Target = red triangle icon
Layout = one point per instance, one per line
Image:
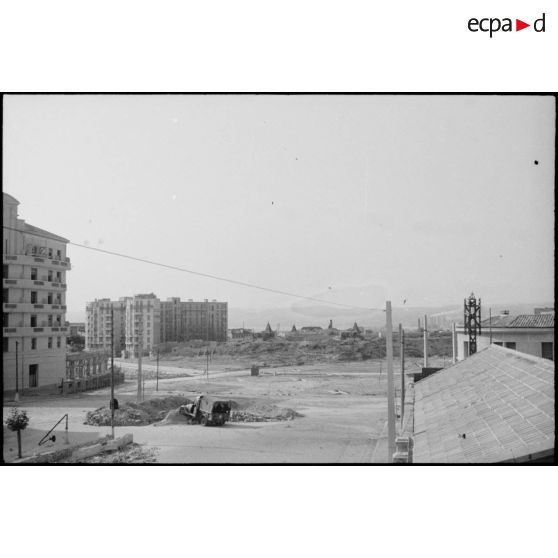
(519, 25)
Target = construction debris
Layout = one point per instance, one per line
(136, 414)
(263, 413)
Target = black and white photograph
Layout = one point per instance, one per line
(278, 279)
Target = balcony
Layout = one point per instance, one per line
(28, 307)
(33, 331)
(29, 284)
(31, 259)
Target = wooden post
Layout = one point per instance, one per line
(140, 351)
(19, 444)
(425, 342)
(490, 323)
(157, 385)
(402, 358)
(390, 386)
(453, 343)
(16, 397)
(112, 370)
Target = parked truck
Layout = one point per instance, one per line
(207, 411)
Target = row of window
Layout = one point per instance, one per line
(51, 276)
(7, 345)
(52, 298)
(52, 321)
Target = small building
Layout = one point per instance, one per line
(76, 328)
(496, 406)
(311, 329)
(528, 333)
(241, 333)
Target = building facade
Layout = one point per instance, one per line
(532, 334)
(143, 324)
(34, 302)
(99, 325)
(147, 321)
(186, 320)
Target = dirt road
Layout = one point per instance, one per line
(343, 408)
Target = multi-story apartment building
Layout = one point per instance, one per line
(34, 302)
(99, 325)
(143, 323)
(153, 321)
(185, 320)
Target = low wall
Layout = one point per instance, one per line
(79, 451)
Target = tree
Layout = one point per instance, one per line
(16, 422)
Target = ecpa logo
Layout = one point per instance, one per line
(493, 25)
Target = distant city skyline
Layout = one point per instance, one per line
(351, 199)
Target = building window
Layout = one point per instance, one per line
(33, 321)
(33, 375)
(5, 319)
(58, 276)
(5, 269)
(499, 343)
(58, 254)
(50, 342)
(6, 344)
(33, 297)
(49, 298)
(33, 343)
(547, 350)
(58, 342)
(49, 322)
(510, 345)
(5, 295)
(50, 253)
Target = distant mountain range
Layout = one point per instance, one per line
(308, 314)
(319, 315)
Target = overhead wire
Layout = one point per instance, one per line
(206, 275)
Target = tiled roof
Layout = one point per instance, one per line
(496, 405)
(534, 320)
(523, 320)
(498, 321)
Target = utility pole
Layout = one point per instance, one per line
(402, 358)
(390, 386)
(207, 340)
(490, 324)
(157, 385)
(425, 342)
(16, 397)
(112, 370)
(140, 351)
(453, 343)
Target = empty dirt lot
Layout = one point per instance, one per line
(343, 408)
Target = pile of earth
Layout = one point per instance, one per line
(262, 412)
(136, 414)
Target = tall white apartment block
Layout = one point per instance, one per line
(34, 302)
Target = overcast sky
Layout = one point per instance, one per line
(355, 199)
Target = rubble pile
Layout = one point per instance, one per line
(133, 453)
(263, 413)
(136, 414)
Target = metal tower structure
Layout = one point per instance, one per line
(472, 321)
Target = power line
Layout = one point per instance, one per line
(201, 274)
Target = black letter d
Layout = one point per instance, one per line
(541, 30)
